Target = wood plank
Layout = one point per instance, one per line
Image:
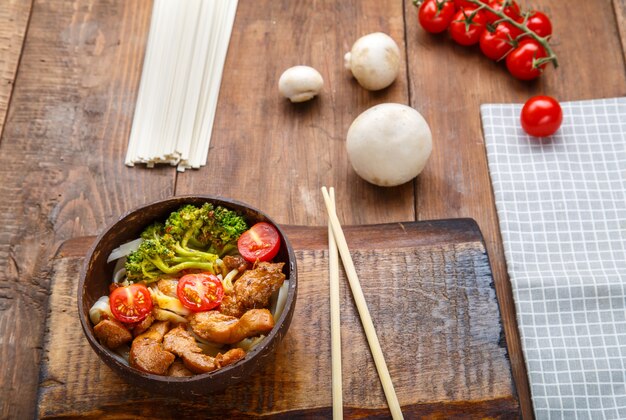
(276, 155)
(448, 83)
(14, 16)
(430, 292)
(61, 163)
(620, 17)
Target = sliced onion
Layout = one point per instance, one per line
(278, 300)
(221, 266)
(119, 276)
(169, 303)
(100, 308)
(210, 349)
(249, 343)
(124, 250)
(163, 315)
(228, 281)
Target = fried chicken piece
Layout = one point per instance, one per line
(168, 287)
(178, 369)
(254, 289)
(200, 362)
(180, 342)
(224, 329)
(147, 353)
(230, 357)
(233, 262)
(156, 331)
(230, 306)
(112, 333)
(143, 325)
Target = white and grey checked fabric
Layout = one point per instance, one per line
(561, 204)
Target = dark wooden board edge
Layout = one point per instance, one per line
(500, 408)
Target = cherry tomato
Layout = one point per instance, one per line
(435, 15)
(464, 4)
(541, 116)
(539, 24)
(520, 61)
(131, 303)
(512, 11)
(260, 243)
(466, 27)
(200, 292)
(498, 43)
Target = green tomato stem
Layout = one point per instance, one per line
(543, 41)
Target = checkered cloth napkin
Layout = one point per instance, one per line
(561, 204)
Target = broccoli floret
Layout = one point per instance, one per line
(191, 238)
(155, 257)
(211, 228)
(228, 225)
(221, 229)
(154, 231)
(140, 268)
(184, 223)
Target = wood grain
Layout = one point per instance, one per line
(14, 17)
(430, 292)
(61, 163)
(449, 82)
(620, 17)
(276, 155)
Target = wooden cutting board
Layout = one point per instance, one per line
(429, 289)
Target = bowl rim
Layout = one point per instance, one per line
(251, 355)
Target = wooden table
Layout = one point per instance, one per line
(69, 74)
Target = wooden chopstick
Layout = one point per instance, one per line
(335, 319)
(359, 299)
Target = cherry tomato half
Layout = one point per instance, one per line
(512, 11)
(200, 292)
(466, 27)
(541, 116)
(260, 243)
(539, 24)
(498, 43)
(131, 303)
(520, 61)
(435, 15)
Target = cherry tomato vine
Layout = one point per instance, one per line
(504, 32)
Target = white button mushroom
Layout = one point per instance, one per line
(389, 144)
(300, 83)
(374, 61)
